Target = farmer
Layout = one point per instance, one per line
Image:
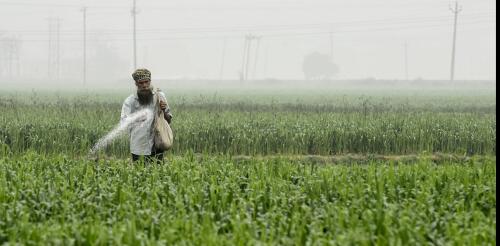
(141, 133)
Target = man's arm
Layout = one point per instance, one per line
(126, 110)
(165, 107)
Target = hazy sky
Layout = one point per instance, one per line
(187, 38)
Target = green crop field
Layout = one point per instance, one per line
(316, 167)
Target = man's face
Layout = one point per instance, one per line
(143, 84)
(144, 92)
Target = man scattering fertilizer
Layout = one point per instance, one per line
(141, 131)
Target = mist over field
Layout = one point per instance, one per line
(57, 44)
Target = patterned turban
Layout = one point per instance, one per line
(141, 74)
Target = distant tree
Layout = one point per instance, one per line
(319, 66)
(105, 63)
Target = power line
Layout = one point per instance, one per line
(268, 5)
(375, 22)
(363, 23)
(59, 5)
(273, 35)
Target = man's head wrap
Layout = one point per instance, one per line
(141, 74)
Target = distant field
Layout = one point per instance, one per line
(257, 123)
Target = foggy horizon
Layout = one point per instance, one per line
(387, 39)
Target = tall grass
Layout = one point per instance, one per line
(215, 201)
(223, 125)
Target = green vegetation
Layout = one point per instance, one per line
(263, 125)
(216, 201)
(277, 168)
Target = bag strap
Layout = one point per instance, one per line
(157, 97)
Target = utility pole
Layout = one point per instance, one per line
(455, 10)
(134, 14)
(249, 46)
(84, 46)
(246, 55)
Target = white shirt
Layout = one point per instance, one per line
(141, 133)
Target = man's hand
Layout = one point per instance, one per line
(163, 105)
(167, 115)
(168, 118)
